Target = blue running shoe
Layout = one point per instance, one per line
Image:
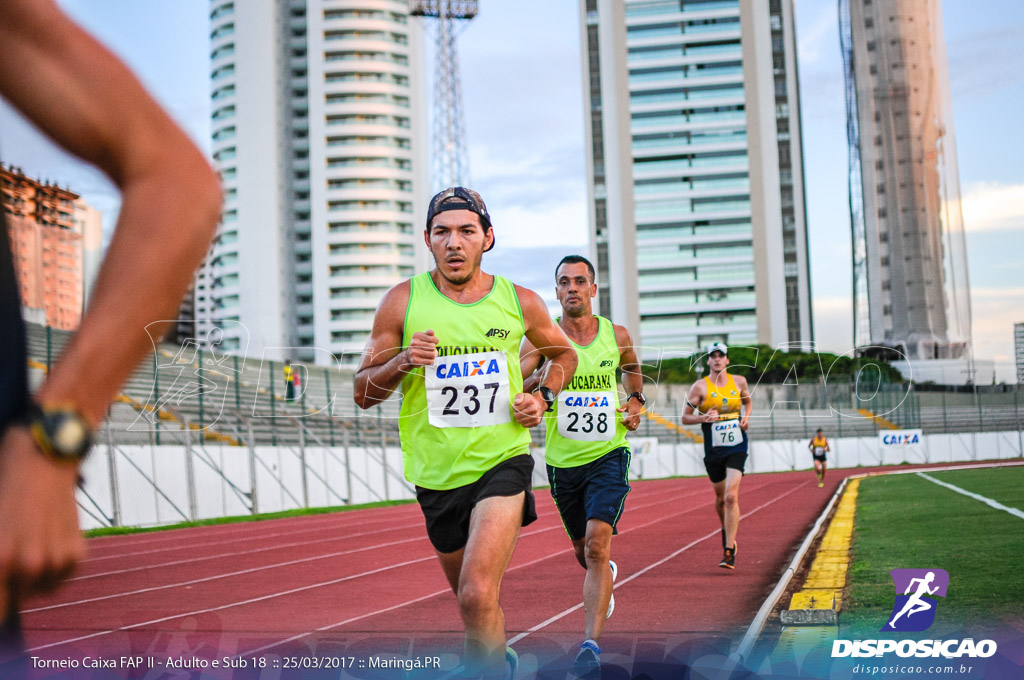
(512, 659)
(588, 662)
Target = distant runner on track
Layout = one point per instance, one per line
(717, 403)
(819, 447)
(586, 449)
(451, 337)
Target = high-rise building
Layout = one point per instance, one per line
(319, 134)
(695, 170)
(49, 227)
(910, 286)
(89, 223)
(1018, 350)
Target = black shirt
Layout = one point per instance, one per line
(13, 369)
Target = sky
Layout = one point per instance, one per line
(522, 89)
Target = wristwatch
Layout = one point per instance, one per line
(60, 432)
(639, 397)
(547, 395)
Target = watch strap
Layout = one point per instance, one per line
(548, 395)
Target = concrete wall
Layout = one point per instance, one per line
(153, 481)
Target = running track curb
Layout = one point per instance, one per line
(757, 625)
(769, 604)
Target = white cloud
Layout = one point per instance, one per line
(522, 226)
(990, 206)
(993, 313)
(833, 323)
(819, 38)
(994, 310)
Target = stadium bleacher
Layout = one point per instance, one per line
(232, 400)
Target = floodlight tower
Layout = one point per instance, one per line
(450, 163)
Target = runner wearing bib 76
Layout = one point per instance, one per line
(586, 450)
(721, 405)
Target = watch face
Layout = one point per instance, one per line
(68, 435)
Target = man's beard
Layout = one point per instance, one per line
(460, 277)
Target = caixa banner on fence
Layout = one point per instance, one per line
(894, 439)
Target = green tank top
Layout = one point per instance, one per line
(584, 425)
(456, 419)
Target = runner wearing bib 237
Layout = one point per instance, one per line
(586, 451)
(717, 403)
(451, 337)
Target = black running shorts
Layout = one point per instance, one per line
(716, 465)
(447, 512)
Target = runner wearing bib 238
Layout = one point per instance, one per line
(717, 403)
(586, 451)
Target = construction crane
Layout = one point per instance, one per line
(450, 157)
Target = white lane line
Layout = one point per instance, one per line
(242, 572)
(289, 545)
(229, 605)
(248, 537)
(230, 530)
(193, 560)
(522, 566)
(328, 627)
(987, 501)
(217, 577)
(648, 568)
(192, 543)
(335, 581)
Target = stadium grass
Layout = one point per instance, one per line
(301, 512)
(904, 521)
(1003, 485)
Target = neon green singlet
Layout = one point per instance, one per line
(456, 420)
(584, 425)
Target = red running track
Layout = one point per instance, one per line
(368, 580)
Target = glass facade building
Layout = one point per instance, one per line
(911, 288)
(696, 179)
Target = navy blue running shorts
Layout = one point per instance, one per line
(596, 490)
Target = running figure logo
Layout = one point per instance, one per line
(914, 610)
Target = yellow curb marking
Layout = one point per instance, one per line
(823, 588)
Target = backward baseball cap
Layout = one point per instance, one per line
(718, 347)
(459, 198)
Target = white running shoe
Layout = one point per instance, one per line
(611, 600)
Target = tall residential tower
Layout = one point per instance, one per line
(319, 134)
(695, 167)
(910, 284)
